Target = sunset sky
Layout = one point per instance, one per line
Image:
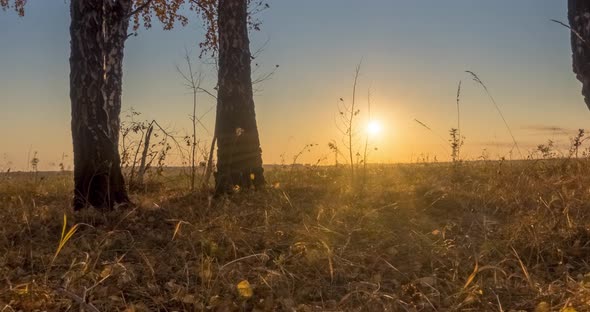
(413, 54)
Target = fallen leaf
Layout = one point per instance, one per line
(245, 290)
(542, 307)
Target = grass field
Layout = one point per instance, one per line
(480, 236)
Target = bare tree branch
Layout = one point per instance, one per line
(573, 31)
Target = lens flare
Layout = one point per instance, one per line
(374, 127)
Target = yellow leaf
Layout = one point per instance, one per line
(22, 289)
(543, 307)
(106, 271)
(245, 290)
(568, 309)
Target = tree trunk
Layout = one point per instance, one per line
(115, 34)
(579, 19)
(96, 105)
(239, 160)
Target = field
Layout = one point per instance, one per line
(476, 236)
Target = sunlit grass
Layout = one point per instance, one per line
(65, 236)
(419, 237)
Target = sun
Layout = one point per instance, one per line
(374, 127)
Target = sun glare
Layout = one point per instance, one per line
(374, 127)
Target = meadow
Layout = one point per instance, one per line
(470, 236)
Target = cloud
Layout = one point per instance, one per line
(548, 129)
(505, 144)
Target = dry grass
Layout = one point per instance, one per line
(493, 236)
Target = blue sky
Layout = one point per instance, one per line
(413, 55)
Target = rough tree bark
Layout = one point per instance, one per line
(579, 19)
(116, 24)
(239, 157)
(95, 93)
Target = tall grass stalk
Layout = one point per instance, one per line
(346, 124)
(353, 112)
(480, 82)
(193, 83)
(459, 117)
(367, 136)
(65, 237)
(444, 143)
